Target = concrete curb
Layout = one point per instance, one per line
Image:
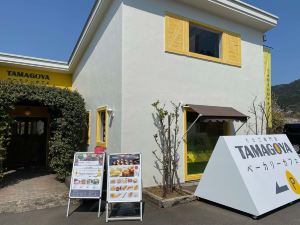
(167, 203)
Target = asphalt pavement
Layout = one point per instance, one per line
(194, 213)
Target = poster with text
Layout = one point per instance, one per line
(87, 175)
(124, 178)
(252, 173)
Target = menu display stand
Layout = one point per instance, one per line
(124, 182)
(87, 177)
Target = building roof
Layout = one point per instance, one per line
(234, 10)
(237, 11)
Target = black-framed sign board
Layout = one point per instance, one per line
(87, 177)
(124, 180)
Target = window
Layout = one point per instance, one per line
(200, 141)
(101, 127)
(194, 39)
(204, 41)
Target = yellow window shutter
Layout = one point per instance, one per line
(232, 48)
(176, 29)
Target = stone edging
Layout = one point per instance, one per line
(167, 203)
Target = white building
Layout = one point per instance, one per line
(197, 52)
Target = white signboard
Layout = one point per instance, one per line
(253, 174)
(124, 183)
(87, 175)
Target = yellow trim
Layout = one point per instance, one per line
(181, 46)
(99, 142)
(185, 143)
(194, 177)
(268, 85)
(35, 76)
(89, 128)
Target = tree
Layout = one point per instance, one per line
(278, 117)
(266, 120)
(166, 138)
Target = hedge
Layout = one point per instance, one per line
(66, 124)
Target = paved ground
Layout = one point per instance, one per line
(194, 213)
(25, 190)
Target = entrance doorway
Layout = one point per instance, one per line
(200, 142)
(28, 147)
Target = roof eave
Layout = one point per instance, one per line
(31, 62)
(237, 11)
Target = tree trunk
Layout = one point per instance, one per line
(169, 155)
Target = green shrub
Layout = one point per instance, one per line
(66, 124)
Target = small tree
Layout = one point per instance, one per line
(166, 138)
(273, 118)
(278, 117)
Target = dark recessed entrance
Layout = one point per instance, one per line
(28, 147)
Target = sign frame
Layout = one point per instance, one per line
(101, 182)
(110, 202)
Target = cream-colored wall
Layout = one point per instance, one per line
(98, 76)
(126, 67)
(149, 73)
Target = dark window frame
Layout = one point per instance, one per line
(207, 30)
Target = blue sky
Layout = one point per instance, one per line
(50, 28)
(284, 38)
(42, 28)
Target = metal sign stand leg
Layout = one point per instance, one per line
(99, 208)
(106, 208)
(141, 210)
(68, 207)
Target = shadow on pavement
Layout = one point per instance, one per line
(16, 176)
(118, 209)
(247, 214)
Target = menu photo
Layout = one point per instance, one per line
(124, 177)
(87, 174)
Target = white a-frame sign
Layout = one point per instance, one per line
(253, 174)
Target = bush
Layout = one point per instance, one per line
(66, 124)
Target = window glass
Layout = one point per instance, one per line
(40, 127)
(101, 133)
(30, 127)
(21, 128)
(33, 127)
(102, 126)
(201, 141)
(204, 41)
